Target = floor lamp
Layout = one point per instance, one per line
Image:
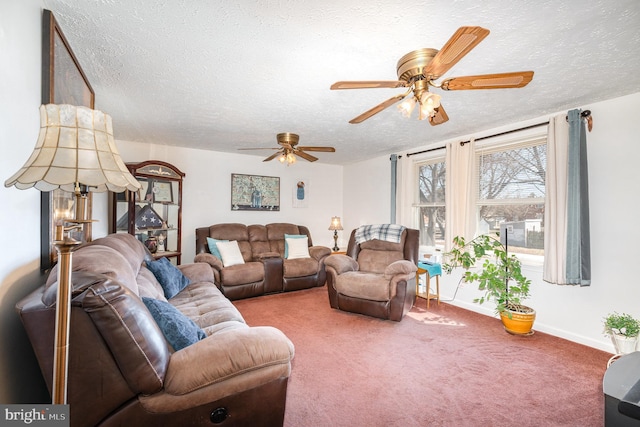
(75, 151)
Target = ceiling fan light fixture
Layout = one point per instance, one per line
(428, 104)
(407, 106)
(291, 159)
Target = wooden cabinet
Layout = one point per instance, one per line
(154, 213)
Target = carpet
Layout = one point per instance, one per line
(445, 366)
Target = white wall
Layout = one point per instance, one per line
(207, 189)
(20, 41)
(571, 312)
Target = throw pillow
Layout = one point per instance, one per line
(298, 248)
(213, 248)
(291, 236)
(230, 252)
(169, 276)
(178, 329)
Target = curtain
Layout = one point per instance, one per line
(566, 239)
(406, 188)
(461, 192)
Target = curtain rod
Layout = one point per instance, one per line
(584, 114)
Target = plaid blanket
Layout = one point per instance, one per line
(386, 232)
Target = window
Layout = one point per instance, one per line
(430, 206)
(511, 190)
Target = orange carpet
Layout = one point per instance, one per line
(443, 367)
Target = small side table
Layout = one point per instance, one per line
(433, 269)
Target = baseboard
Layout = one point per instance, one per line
(539, 326)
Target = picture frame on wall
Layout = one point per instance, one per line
(63, 82)
(255, 193)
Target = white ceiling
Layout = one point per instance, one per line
(222, 75)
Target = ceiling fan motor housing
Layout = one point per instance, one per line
(413, 64)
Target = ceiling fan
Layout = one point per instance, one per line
(421, 68)
(289, 149)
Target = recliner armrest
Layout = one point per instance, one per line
(400, 267)
(341, 263)
(319, 252)
(209, 259)
(197, 272)
(216, 366)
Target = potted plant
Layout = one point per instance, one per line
(500, 277)
(623, 330)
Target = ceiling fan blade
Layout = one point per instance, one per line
(368, 84)
(440, 117)
(325, 149)
(305, 156)
(461, 43)
(271, 157)
(375, 110)
(489, 81)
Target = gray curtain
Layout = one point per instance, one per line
(578, 261)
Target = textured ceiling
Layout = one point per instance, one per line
(221, 75)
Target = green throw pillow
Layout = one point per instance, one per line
(213, 248)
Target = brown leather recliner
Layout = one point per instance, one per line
(376, 277)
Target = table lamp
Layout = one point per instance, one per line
(75, 152)
(335, 226)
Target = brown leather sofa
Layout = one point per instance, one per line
(265, 269)
(375, 277)
(123, 372)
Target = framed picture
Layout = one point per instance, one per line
(162, 192)
(63, 82)
(255, 193)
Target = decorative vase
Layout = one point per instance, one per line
(624, 344)
(152, 244)
(518, 323)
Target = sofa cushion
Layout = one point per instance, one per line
(241, 274)
(299, 267)
(363, 285)
(297, 247)
(135, 340)
(178, 329)
(170, 277)
(230, 252)
(206, 305)
(102, 260)
(213, 247)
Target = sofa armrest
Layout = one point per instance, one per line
(209, 259)
(399, 267)
(341, 263)
(216, 366)
(198, 272)
(319, 252)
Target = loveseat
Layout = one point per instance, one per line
(126, 367)
(265, 266)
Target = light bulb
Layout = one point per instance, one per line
(407, 106)
(282, 158)
(428, 104)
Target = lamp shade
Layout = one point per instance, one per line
(335, 223)
(75, 147)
